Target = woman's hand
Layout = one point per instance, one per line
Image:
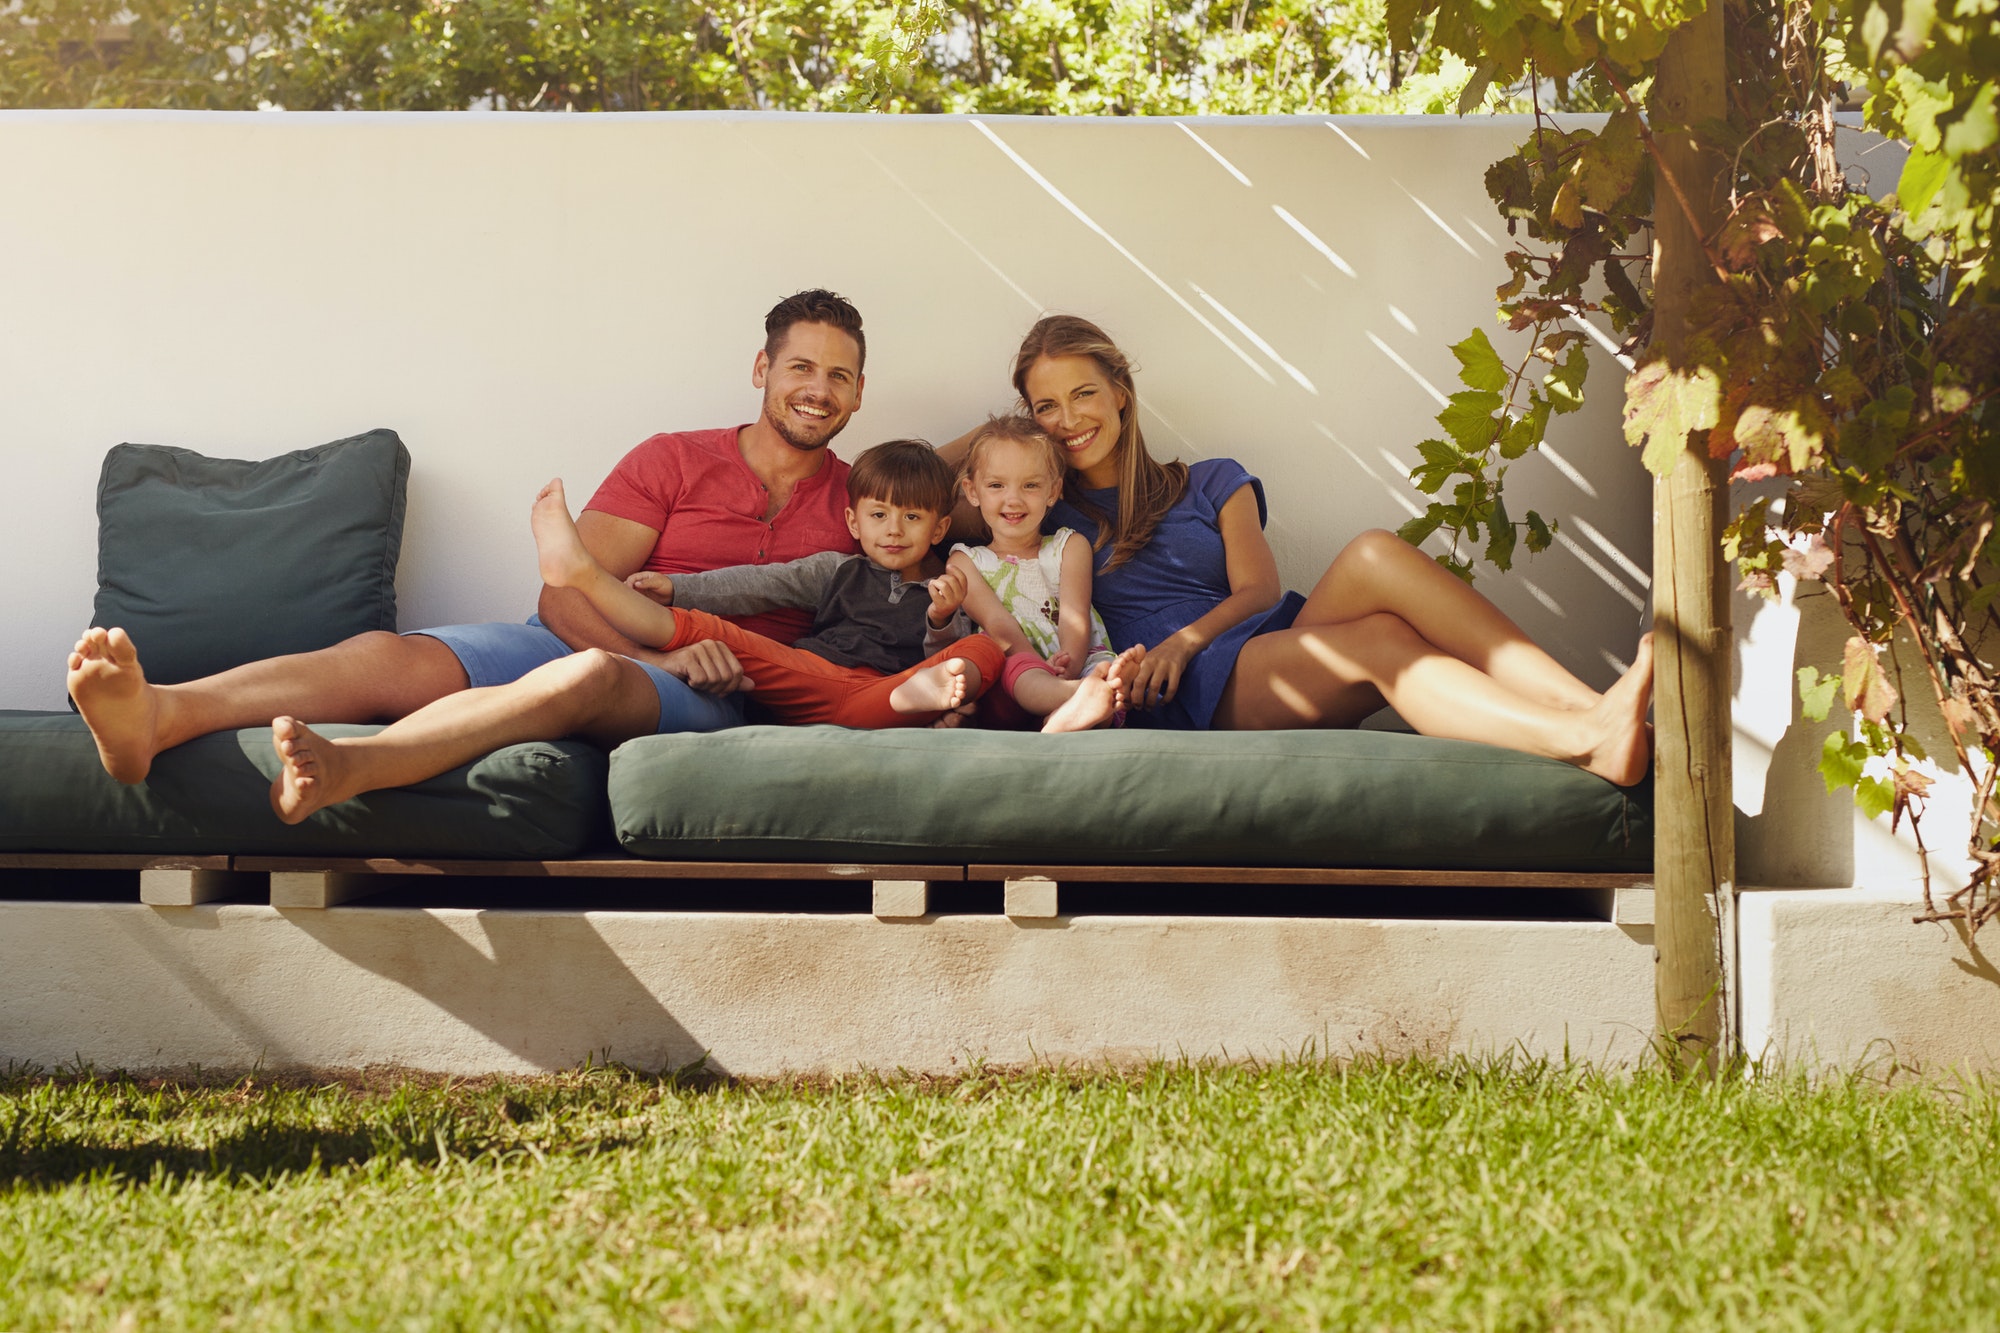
(654, 584)
(1158, 678)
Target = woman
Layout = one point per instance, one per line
(1182, 566)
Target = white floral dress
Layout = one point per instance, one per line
(1028, 589)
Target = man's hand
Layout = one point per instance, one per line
(654, 584)
(708, 666)
(947, 595)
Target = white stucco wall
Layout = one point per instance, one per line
(527, 295)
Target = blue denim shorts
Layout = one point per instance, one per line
(499, 654)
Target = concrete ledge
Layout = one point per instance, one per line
(1843, 977)
(454, 990)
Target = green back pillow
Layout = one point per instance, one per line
(209, 563)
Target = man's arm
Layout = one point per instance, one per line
(622, 546)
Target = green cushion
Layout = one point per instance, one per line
(212, 562)
(212, 796)
(1326, 798)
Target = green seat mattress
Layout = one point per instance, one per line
(211, 796)
(1131, 797)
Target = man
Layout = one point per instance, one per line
(763, 493)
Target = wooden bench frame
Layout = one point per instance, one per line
(1032, 891)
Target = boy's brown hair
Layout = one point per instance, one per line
(1021, 430)
(905, 473)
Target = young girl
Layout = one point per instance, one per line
(1030, 591)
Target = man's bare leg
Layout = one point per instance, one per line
(593, 694)
(369, 678)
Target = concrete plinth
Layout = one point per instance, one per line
(133, 986)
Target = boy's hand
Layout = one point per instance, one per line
(947, 595)
(654, 584)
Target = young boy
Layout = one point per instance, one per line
(864, 664)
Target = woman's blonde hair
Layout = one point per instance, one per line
(1147, 489)
(1021, 430)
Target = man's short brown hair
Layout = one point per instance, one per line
(904, 473)
(815, 305)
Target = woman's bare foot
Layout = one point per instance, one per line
(121, 709)
(938, 688)
(313, 771)
(558, 550)
(1620, 748)
(1099, 697)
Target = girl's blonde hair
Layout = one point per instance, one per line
(1019, 429)
(1147, 489)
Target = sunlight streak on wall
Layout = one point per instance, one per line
(1409, 325)
(1350, 139)
(1549, 604)
(1408, 369)
(1085, 218)
(955, 234)
(1256, 341)
(1595, 566)
(1562, 465)
(1314, 241)
(1443, 226)
(1227, 165)
(1604, 544)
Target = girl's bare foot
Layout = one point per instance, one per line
(1620, 741)
(118, 705)
(558, 550)
(1099, 697)
(938, 688)
(312, 773)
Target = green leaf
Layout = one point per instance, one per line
(1468, 418)
(1475, 89)
(1564, 383)
(1540, 533)
(1663, 406)
(1974, 129)
(1874, 796)
(1816, 693)
(1479, 365)
(1422, 526)
(1500, 537)
(1840, 761)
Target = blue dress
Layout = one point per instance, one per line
(1176, 578)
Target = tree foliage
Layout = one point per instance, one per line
(1846, 344)
(1112, 57)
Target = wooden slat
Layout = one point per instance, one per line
(1524, 879)
(601, 868)
(108, 861)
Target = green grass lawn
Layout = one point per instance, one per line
(1408, 1195)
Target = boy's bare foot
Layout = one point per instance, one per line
(121, 709)
(558, 550)
(938, 688)
(312, 773)
(1099, 697)
(1620, 748)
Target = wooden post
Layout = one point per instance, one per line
(1695, 838)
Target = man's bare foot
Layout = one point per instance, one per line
(312, 772)
(559, 551)
(1099, 697)
(938, 688)
(1620, 748)
(118, 705)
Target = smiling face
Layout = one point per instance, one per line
(1013, 486)
(812, 386)
(896, 537)
(1073, 399)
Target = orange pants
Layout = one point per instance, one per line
(800, 687)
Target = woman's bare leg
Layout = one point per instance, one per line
(593, 694)
(1335, 675)
(1379, 571)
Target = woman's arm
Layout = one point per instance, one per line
(1253, 587)
(1073, 604)
(987, 610)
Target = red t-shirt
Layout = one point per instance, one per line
(695, 490)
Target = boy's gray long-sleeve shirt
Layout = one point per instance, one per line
(863, 615)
